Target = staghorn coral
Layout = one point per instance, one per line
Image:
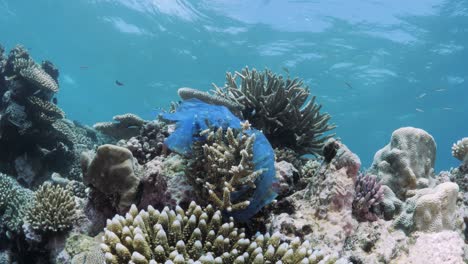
(279, 108)
(194, 116)
(460, 150)
(53, 210)
(369, 193)
(222, 164)
(178, 236)
(14, 203)
(125, 127)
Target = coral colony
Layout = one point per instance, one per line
(247, 173)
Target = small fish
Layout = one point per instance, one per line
(349, 85)
(37, 92)
(118, 83)
(419, 110)
(447, 108)
(54, 100)
(84, 67)
(421, 96)
(440, 90)
(286, 70)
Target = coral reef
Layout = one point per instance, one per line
(125, 127)
(430, 209)
(279, 108)
(231, 153)
(407, 162)
(460, 149)
(197, 234)
(112, 172)
(149, 143)
(369, 193)
(14, 204)
(53, 210)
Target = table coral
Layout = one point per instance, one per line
(460, 150)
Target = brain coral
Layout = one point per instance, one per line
(194, 236)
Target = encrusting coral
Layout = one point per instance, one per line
(279, 108)
(53, 210)
(14, 203)
(198, 235)
(369, 193)
(430, 209)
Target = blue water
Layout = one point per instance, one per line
(396, 56)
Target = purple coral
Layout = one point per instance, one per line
(369, 193)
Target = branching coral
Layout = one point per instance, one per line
(369, 193)
(193, 117)
(177, 236)
(125, 127)
(14, 203)
(44, 110)
(53, 210)
(279, 108)
(460, 150)
(222, 164)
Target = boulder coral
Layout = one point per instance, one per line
(430, 209)
(112, 172)
(407, 162)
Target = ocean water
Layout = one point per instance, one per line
(375, 65)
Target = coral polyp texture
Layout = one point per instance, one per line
(369, 193)
(279, 108)
(53, 210)
(198, 235)
(222, 164)
(14, 204)
(460, 150)
(246, 157)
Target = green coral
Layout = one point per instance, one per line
(279, 108)
(53, 210)
(178, 236)
(14, 203)
(223, 164)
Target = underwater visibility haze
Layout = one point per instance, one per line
(249, 131)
